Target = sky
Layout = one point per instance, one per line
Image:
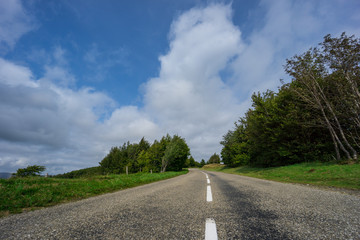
(78, 77)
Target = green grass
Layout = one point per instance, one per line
(24, 194)
(320, 174)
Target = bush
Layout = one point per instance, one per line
(34, 170)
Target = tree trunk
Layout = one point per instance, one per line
(334, 136)
(328, 105)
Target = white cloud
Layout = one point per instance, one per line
(128, 124)
(14, 75)
(59, 56)
(52, 119)
(14, 22)
(58, 74)
(189, 97)
(48, 123)
(290, 27)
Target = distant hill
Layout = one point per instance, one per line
(5, 175)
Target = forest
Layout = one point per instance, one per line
(170, 153)
(313, 117)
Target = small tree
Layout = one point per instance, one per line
(215, 158)
(34, 170)
(192, 162)
(176, 153)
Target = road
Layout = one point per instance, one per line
(183, 208)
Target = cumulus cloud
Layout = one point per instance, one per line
(289, 28)
(45, 115)
(189, 96)
(14, 22)
(128, 122)
(46, 122)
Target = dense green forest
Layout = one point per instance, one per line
(170, 153)
(314, 117)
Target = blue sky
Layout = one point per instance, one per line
(78, 77)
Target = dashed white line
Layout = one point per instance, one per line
(208, 194)
(210, 226)
(210, 229)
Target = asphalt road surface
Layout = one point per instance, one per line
(198, 205)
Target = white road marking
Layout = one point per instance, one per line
(206, 175)
(210, 229)
(208, 194)
(210, 226)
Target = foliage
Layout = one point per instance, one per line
(215, 158)
(33, 192)
(175, 154)
(235, 151)
(327, 80)
(143, 157)
(33, 170)
(313, 117)
(190, 162)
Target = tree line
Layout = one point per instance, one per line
(170, 153)
(314, 117)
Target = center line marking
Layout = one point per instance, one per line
(210, 229)
(208, 181)
(208, 194)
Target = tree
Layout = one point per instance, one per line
(175, 155)
(143, 161)
(116, 160)
(215, 158)
(34, 170)
(310, 118)
(155, 153)
(190, 162)
(142, 156)
(125, 156)
(328, 79)
(235, 150)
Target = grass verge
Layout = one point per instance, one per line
(319, 174)
(24, 194)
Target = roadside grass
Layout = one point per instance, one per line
(25, 194)
(319, 174)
